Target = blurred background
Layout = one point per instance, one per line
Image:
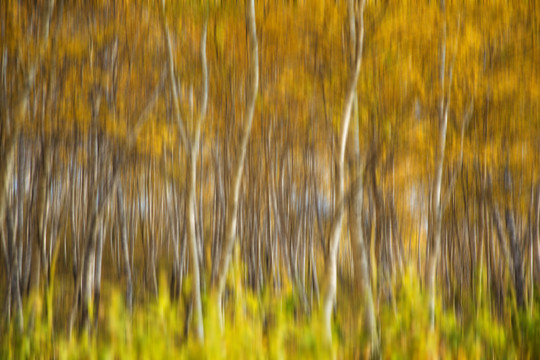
(197, 149)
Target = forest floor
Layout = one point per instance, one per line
(271, 325)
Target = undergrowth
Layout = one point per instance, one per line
(259, 326)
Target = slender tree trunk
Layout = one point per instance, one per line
(97, 275)
(434, 233)
(517, 261)
(14, 275)
(329, 291)
(85, 280)
(125, 249)
(42, 209)
(192, 149)
(357, 239)
(238, 164)
(19, 109)
(20, 214)
(535, 236)
(360, 254)
(192, 242)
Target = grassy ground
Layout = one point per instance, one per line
(271, 326)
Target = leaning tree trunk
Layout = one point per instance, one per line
(329, 291)
(192, 149)
(238, 164)
(360, 254)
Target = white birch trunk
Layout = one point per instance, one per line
(238, 164)
(192, 149)
(361, 267)
(329, 291)
(436, 210)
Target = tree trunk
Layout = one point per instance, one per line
(14, 276)
(329, 291)
(238, 164)
(19, 109)
(434, 233)
(192, 242)
(517, 261)
(125, 249)
(85, 281)
(535, 236)
(192, 149)
(97, 275)
(357, 238)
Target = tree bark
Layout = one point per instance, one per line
(125, 248)
(358, 244)
(192, 149)
(329, 291)
(19, 109)
(89, 262)
(434, 233)
(238, 164)
(517, 261)
(535, 236)
(14, 276)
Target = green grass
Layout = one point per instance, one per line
(259, 326)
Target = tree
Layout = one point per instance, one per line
(335, 236)
(8, 163)
(238, 163)
(191, 145)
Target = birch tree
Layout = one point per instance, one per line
(434, 231)
(329, 294)
(191, 145)
(7, 165)
(238, 162)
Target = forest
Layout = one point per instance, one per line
(273, 179)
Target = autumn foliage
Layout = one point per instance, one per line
(175, 177)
